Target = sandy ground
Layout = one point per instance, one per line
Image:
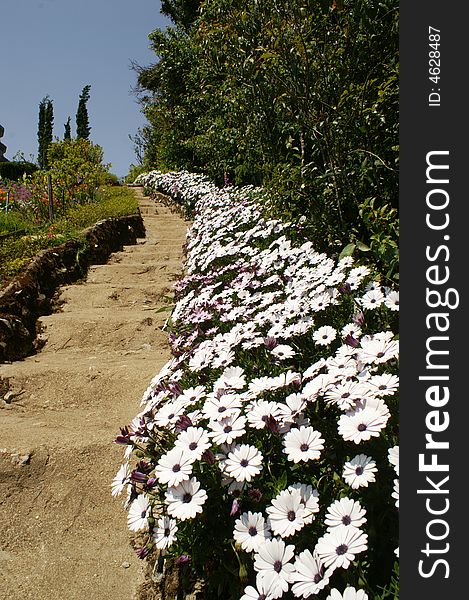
(62, 535)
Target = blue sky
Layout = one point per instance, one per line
(55, 48)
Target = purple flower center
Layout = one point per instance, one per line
(187, 498)
(244, 463)
(192, 445)
(277, 566)
(342, 549)
(359, 470)
(346, 520)
(317, 578)
(252, 531)
(291, 515)
(228, 428)
(221, 409)
(176, 468)
(167, 532)
(171, 416)
(361, 427)
(144, 514)
(304, 447)
(261, 597)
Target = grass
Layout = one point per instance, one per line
(18, 250)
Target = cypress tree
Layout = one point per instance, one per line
(44, 131)
(83, 128)
(68, 130)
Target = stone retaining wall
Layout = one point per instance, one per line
(30, 294)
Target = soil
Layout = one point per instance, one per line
(63, 536)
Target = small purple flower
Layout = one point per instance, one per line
(270, 343)
(272, 424)
(351, 341)
(142, 552)
(345, 288)
(184, 559)
(183, 423)
(138, 477)
(208, 456)
(235, 507)
(124, 437)
(255, 494)
(359, 318)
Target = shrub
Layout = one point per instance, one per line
(15, 170)
(266, 450)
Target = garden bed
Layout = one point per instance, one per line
(29, 295)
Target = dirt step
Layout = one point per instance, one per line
(64, 537)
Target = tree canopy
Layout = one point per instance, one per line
(300, 97)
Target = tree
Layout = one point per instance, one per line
(44, 132)
(68, 130)
(83, 127)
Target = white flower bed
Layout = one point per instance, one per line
(265, 453)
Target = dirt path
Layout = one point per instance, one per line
(62, 535)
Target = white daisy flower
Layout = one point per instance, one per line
(168, 414)
(393, 456)
(193, 441)
(310, 500)
(232, 378)
(286, 513)
(344, 395)
(360, 471)
(174, 466)
(395, 493)
(244, 462)
(227, 429)
(293, 407)
(259, 411)
(139, 510)
(185, 500)
(120, 480)
(314, 368)
(251, 531)
(309, 576)
(345, 512)
(364, 422)
(392, 300)
(324, 335)
(338, 547)
(191, 395)
(350, 593)
(273, 559)
(377, 349)
(303, 444)
(216, 408)
(283, 352)
(164, 533)
(383, 385)
(372, 299)
(266, 589)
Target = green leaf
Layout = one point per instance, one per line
(347, 251)
(363, 247)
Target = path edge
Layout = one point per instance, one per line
(29, 295)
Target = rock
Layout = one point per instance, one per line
(125, 565)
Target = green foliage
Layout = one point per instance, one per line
(15, 170)
(77, 168)
(82, 120)
(17, 251)
(45, 130)
(68, 130)
(300, 97)
(134, 172)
